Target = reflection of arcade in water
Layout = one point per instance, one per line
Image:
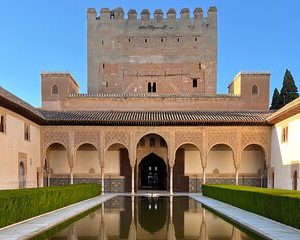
(151, 218)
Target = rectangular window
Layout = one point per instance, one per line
(154, 87)
(2, 123)
(151, 87)
(26, 132)
(195, 82)
(284, 134)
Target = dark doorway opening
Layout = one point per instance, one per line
(152, 173)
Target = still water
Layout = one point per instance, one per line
(148, 218)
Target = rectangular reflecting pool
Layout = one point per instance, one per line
(126, 217)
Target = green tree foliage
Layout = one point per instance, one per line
(289, 90)
(275, 100)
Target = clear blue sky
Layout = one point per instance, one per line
(51, 35)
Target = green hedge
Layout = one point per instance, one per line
(20, 204)
(280, 205)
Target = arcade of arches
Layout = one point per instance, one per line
(157, 158)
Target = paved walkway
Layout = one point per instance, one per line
(39, 224)
(258, 224)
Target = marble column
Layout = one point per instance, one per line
(132, 179)
(204, 175)
(71, 176)
(236, 176)
(171, 179)
(102, 180)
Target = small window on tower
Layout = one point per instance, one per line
(103, 65)
(254, 89)
(200, 67)
(146, 40)
(195, 82)
(162, 40)
(55, 89)
(196, 39)
(129, 40)
(149, 87)
(106, 84)
(154, 87)
(102, 42)
(178, 39)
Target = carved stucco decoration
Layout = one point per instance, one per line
(222, 137)
(195, 138)
(51, 137)
(164, 135)
(117, 137)
(162, 153)
(259, 138)
(82, 137)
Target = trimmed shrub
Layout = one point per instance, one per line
(20, 204)
(277, 204)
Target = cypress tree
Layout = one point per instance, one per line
(275, 100)
(289, 90)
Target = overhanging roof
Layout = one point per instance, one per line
(155, 118)
(132, 118)
(285, 112)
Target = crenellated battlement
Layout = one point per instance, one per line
(145, 14)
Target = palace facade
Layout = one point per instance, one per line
(151, 119)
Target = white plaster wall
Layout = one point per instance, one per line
(192, 162)
(59, 162)
(85, 160)
(222, 160)
(112, 162)
(282, 154)
(251, 161)
(11, 143)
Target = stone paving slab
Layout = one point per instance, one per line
(35, 226)
(262, 226)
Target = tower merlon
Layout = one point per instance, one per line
(118, 13)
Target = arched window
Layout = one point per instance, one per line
(154, 87)
(162, 142)
(55, 89)
(254, 89)
(152, 142)
(26, 132)
(2, 123)
(22, 178)
(295, 180)
(142, 142)
(149, 87)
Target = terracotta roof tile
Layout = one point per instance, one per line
(157, 118)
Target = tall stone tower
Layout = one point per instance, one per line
(152, 55)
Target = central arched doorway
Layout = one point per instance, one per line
(152, 173)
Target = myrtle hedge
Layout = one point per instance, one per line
(20, 204)
(277, 204)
